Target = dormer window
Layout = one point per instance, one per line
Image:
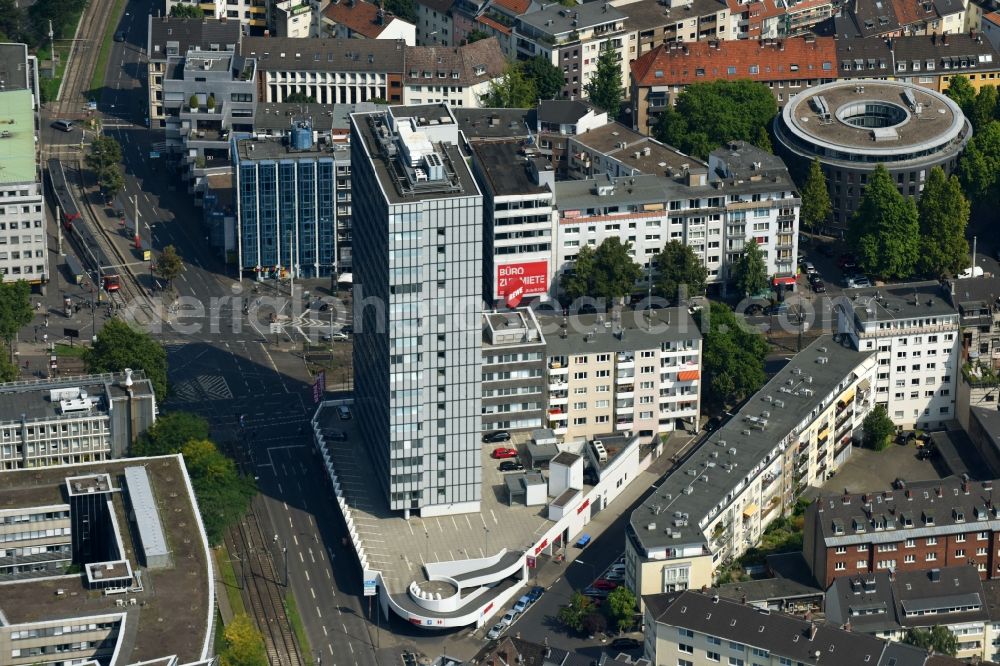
(906, 519)
(480, 70)
(859, 524)
(838, 527)
(959, 515)
(928, 518)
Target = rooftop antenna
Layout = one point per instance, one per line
(973, 274)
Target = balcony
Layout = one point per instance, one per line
(558, 363)
(625, 378)
(559, 398)
(624, 405)
(557, 415)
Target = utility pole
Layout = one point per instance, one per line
(59, 229)
(52, 48)
(135, 208)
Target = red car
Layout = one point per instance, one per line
(605, 584)
(504, 452)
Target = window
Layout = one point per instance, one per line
(931, 541)
(713, 656)
(684, 662)
(931, 557)
(685, 633)
(684, 647)
(841, 550)
(735, 661)
(713, 640)
(839, 566)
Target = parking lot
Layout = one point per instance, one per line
(870, 470)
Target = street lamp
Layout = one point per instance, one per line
(593, 569)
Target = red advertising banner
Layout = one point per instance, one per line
(515, 281)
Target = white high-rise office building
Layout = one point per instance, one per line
(418, 273)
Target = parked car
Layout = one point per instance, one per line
(605, 584)
(120, 36)
(808, 268)
(344, 412)
(495, 632)
(522, 604)
(504, 452)
(845, 260)
(64, 125)
(330, 337)
(626, 644)
(511, 466)
(508, 618)
(753, 309)
(926, 453)
(496, 437)
(536, 593)
(615, 576)
(596, 593)
(862, 281)
(819, 287)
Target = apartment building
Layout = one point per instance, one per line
(364, 20)
(435, 25)
(989, 24)
(519, 222)
(572, 38)
(19, 68)
(293, 202)
(715, 209)
(418, 329)
(328, 70)
(207, 95)
(794, 432)
(651, 23)
(913, 329)
(615, 150)
(514, 388)
(106, 520)
(778, 19)
(558, 119)
(249, 13)
(786, 66)
(72, 420)
(493, 17)
(701, 629)
(174, 38)
(627, 371)
(457, 76)
(900, 18)
(23, 245)
(949, 522)
(887, 604)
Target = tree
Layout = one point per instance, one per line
(118, 346)
(961, 92)
(608, 272)
(621, 607)
(937, 637)
(732, 356)
(111, 180)
(984, 108)
(193, 102)
(878, 428)
(404, 9)
(707, 115)
(244, 644)
(885, 228)
(223, 493)
(15, 312)
(979, 166)
(104, 152)
(677, 265)
(594, 623)
(762, 139)
(11, 21)
(816, 206)
(572, 614)
(548, 78)
(605, 87)
(475, 36)
(169, 434)
(300, 98)
(511, 91)
(9, 372)
(169, 265)
(944, 215)
(210, 103)
(750, 272)
(181, 10)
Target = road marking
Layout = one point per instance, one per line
(311, 556)
(330, 648)
(317, 612)
(349, 644)
(307, 574)
(312, 592)
(328, 573)
(294, 538)
(285, 504)
(301, 559)
(494, 517)
(310, 519)
(280, 491)
(324, 630)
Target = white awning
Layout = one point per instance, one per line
(345, 278)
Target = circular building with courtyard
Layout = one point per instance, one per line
(854, 125)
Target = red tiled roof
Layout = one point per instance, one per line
(496, 25)
(359, 17)
(514, 7)
(908, 11)
(772, 8)
(992, 17)
(732, 60)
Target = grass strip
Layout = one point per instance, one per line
(229, 580)
(100, 69)
(76, 351)
(294, 619)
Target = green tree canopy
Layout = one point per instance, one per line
(979, 166)
(15, 309)
(404, 9)
(63, 14)
(984, 108)
(937, 637)
(608, 272)
(677, 265)
(708, 115)
(104, 151)
(9, 372)
(885, 228)
(223, 493)
(750, 271)
(111, 180)
(300, 98)
(244, 644)
(816, 206)
(621, 607)
(169, 265)
(170, 433)
(733, 357)
(878, 428)
(762, 139)
(961, 92)
(944, 215)
(181, 10)
(605, 87)
(11, 21)
(119, 346)
(572, 614)
(547, 78)
(476, 36)
(511, 91)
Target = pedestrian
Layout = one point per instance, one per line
(45, 338)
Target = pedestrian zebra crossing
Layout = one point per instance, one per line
(200, 388)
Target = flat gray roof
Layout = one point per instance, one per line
(751, 449)
(30, 399)
(900, 301)
(325, 54)
(279, 148)
(587, 334)
(556, 19)
(608, 139)
(147, 516)
(506, 169)
(494, 123)
(13, 66)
